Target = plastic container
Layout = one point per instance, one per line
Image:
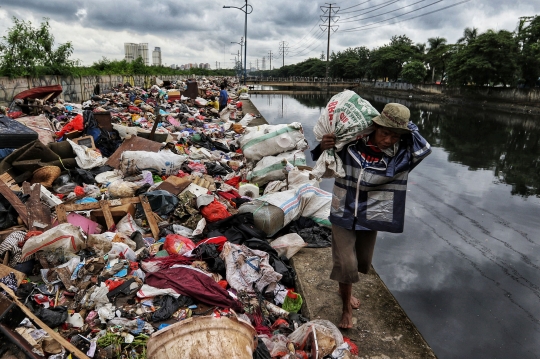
(268, 218)
(204, 338)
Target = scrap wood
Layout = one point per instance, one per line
(67, 345)
(39, 215)
(14, 201)
(150, 216)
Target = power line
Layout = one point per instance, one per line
(380, 6)
(313, 27)
(362, 3)
(310, 47)
(389, 12)
(309, 44)
(362, 28)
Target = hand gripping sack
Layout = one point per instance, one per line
(346, 116)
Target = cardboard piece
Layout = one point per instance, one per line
(174, 185)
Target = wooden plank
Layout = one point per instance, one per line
(107, 213)
(96, 205)
(61, 213)
(39, 215)
(134, 143)
(150, 216)
(5, 270)
(60, 339)
(14, 201)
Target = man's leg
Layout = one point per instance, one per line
(345, 270)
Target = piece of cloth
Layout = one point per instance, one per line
(352, 252)
(372, 194)
(11, 244)
(194, 284)
(10, 281)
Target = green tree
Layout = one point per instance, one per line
(388, 60)
(491, 58)
(437, 56)
(529, 39)
(469, 34)
(27, 50)
(414, 72)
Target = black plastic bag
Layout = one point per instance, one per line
(215, 169)
(162, 202)
(209, 253)
(53, 317)
(81, 176)
(262, 351)
(168, 305)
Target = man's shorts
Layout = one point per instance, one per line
(352, 252)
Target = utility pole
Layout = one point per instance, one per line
(270, 58)
(216, 65)
(257, 64)
(283, 49)
(331, 10)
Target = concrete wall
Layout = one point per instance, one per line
(75, 89)
(507, 94)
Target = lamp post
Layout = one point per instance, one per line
(241, 43)
(247, 9)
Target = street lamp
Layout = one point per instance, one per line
(247, 9)
(241, 43)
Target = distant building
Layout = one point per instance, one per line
(156, 56)
(133, 51)
(130, 51)
(182, 67)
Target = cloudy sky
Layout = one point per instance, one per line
(202, 30)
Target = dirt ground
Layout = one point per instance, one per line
(381, 328)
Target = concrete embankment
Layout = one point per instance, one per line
(381, 327)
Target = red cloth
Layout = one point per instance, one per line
(215, 211)
(195, 285)
(76, 124)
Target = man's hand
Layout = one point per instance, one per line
(328, 141)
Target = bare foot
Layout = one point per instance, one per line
(346, 319)
(355, 302)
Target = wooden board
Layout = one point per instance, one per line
(5, 270)
(9, 181)
(60, 339)
(14, 201)
(107, 214)
(134, 143)
(39, 215)
(150, 216)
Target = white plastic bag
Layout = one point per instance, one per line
(288, 245)
(122, 250)
(127, 226)
(346, 115)
(271, 140)
(247, 119)
(165, 163)
(270, 168)
(65, 236)
(299, 336)
(87, 158)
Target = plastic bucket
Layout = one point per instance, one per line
(204, 338)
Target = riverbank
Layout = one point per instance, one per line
(381, 328)
(515, 107)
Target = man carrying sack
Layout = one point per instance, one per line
(371, 196)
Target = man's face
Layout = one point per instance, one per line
(385, 138)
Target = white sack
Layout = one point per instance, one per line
(87, 158)
(346, 115)
(288, 245)
(164, 162)
(270, 168)
(65, 236)
(271, 140)
(247, 119)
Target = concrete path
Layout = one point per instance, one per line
(381, 328)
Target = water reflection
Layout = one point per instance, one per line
(467, 267)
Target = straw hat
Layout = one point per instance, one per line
(46, 175)
(394, 116)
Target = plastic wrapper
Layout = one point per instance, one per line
(300, 336)
(176, 244)
(288, 245)
(122, 250)
(346, 115)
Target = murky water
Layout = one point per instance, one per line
(467, 267)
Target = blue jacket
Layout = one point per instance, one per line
(371, 196)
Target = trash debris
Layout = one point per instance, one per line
(146, 215)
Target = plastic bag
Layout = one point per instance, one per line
(279, 347)
(65, 236)
(176, 244)
(127, 226)
(300, 336)
(165, 163)
(122, 250)
(247, 119)
(346, 115)
(288, 245)
(86, 157)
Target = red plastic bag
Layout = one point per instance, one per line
(215, 211)
(76, 124)
(176, 244)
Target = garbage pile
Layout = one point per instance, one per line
(148, 207)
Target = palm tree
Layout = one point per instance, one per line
(421, 48)
(469, 34)
(436, 45)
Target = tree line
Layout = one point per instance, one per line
(507, 58)
(26, 50)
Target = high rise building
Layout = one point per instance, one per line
(133, 51)
(130, 51)
(156, 56)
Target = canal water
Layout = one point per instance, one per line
(466, 269)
